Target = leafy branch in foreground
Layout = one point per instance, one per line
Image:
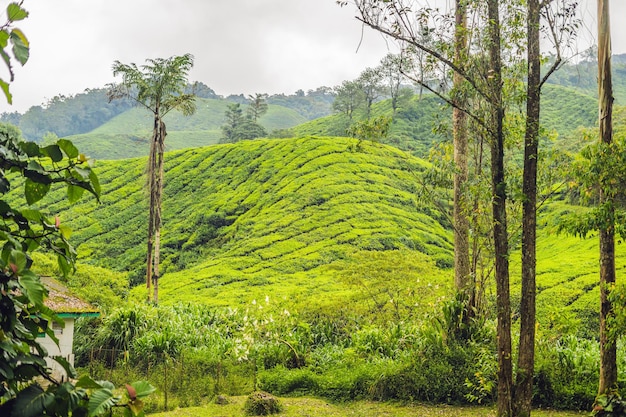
(23, 315)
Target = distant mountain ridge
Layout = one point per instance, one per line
(116, 130)
(126, 135)
(82, 113)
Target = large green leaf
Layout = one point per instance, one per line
(31, 402)
(31, 148)
(4, 38)
(27, 371)
(33, 287)
(68, 147)
(69, 369)
(20, 48)
(19, 259)
(35, 191)
(143, 388)
(54, 152)
(87, 382)
(32, 215)
(95, 183)
(74, 193)
(100, 401)
(5, 89)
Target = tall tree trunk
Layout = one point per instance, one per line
(500, 233)
(155, 188)
(158, 196)
(462, 275)
(150, 169)
(526, 358)
(608, 354)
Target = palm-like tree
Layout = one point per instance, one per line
(159, 86)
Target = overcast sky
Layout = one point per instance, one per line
(240, 46)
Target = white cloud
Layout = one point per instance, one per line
(240, 46)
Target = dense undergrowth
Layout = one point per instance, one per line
(193, 353)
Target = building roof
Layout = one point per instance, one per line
(63, 302)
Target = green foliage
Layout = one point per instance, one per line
(375, 129)
(159, 85)
(241, 127)
(24, 315)
(349, 98)
(311, 105)
(566, 373)
(600, 168)
(609, 405)
(257, 107)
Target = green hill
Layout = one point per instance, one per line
(413, 127)
(423, 122)
(127, 134)
(294, 218)
(583, 77)
(309, 221)
(565, 109)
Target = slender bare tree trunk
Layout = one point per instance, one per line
(158, 197)
(459, 126)
(526, 358)
(155, 188)
(608, 354)
(150, 169)
(500, 233)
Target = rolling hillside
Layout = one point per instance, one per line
(293, 218)
(311, 222)
(412, 128)
(126, 135)
(422, 123)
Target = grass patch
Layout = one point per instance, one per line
(312, 407)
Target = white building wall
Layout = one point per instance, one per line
(65, 348)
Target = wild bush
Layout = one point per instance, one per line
(567, 372)
(282, 381)
(262, 404)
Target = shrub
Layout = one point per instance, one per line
(609, 405)
(261, 404)
(568, 370)
(282, 381)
